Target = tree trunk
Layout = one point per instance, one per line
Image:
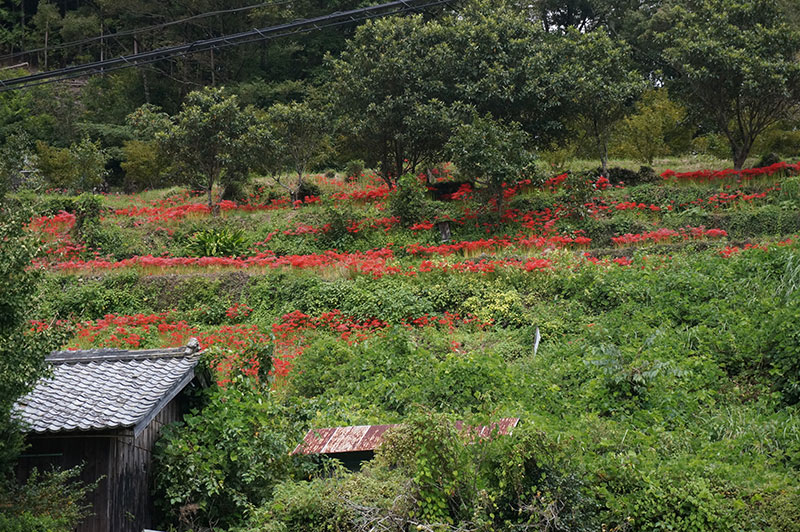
(740, 154)
(604, 158)
(46, 36)
(210, 186)
(213, 70)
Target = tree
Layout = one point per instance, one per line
(47, 21)
(604, 86)
(491, 151)
(736, 64)
(383, 83)
(22, 352)
(403, 84)
(654, 129)
(300, 138)
(81, 167)
(213, 140)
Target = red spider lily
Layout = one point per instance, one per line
(665, 234)
(780, 168)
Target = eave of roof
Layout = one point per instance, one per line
(102, 389)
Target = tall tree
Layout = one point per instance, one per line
(299, 139)
(605, 86)
(736, 64)
(402, 85)
(212, 141)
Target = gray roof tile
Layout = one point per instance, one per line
(104, 389)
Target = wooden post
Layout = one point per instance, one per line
(444, 230)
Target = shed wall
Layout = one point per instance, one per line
(66, 451)
(131, 474)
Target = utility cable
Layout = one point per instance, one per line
(255, 35)
(144, 29)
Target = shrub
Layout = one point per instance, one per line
(407, 201)
(81, 167)
(54, 501)
(143, 165)
(491, 151)
(220, 462)
(225, 242)
(353, 169)
(768, 159)
(308, 189)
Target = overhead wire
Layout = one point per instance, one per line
(144, 29)
(273, 32)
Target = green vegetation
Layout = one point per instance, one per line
(434, 221)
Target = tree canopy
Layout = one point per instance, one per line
(735, 63)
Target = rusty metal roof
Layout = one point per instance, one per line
(369, 437)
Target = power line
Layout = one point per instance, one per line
(255, 35)
(125, 33)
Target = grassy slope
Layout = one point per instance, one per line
(665, 370)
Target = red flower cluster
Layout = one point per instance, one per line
(237, 311)
(781, 168)
(491, 245)
(554, 182)
(665, 234)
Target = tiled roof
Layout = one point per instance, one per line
(369, 437)
(103, 389)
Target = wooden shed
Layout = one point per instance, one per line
(104, 409)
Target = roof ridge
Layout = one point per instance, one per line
(112, 355)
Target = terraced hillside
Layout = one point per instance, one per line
(662, 395)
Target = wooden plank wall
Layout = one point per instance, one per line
(70, 450)
(131, 474)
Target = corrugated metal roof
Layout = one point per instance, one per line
(369, 437)
(105, 388)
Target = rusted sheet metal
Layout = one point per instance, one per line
(369, 437)
(342, 439)
(503, 427)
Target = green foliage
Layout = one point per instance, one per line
(299, 139)
(22, 352)
(492, 152)
(401, 370)
(81, 167)
(402, 85)
(143, 165)
(655, 128)
(408, 201)
(783, 343)
(353, 169)
(223, 242)
(54, 501)
(212, 141)
(221, 462)
(605, 85)
(736, 63)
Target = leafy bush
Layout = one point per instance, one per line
(353, 169)
(491, 151)
(768, 159)
(224, 242)
(54, 501)
(407, 201)
(400, 370)
(143, 164)
(308, 189)
(222, 461)
(80, 167)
